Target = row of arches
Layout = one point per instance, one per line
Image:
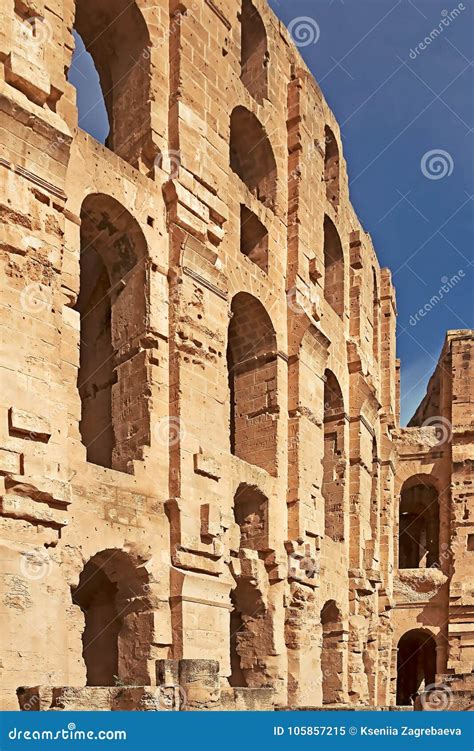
(113, 267)
(113, 593)
(252, 159)
(113, 59)
(113, 277)
(115, 64)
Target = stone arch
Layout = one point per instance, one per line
(418, 533)
(254, 52)
(252, 157)
(252, 374)
(333, 268)
(251, 515)
(331, 167)
(112, 593)
(332, 653)
(90, 103)
(334, 461)
(117, 38)
(416, 664)
(111, 303)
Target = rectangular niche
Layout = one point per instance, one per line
(253, 238)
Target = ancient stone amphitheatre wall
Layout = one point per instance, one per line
(198, 409)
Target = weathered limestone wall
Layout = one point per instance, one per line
(199, 407)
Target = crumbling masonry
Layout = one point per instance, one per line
(206, 497)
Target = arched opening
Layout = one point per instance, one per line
(333, 268)
(418, 526)
(252, 373)
(249, 625)
(416, 665)
(91, 109)
(251, 156)
(331, 167)
(117, 38)
(254, 54)
(375, 316)
(118, 621)
(334, 460)
(250, 513)
(332, 662)
(111, 303)
(247, 633)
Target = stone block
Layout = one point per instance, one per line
(28, 77)
(29, 425)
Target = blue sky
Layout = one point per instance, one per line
(396, 103)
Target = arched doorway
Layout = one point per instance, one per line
(254, 52)
(416, 664)
(332, 659)
(252, 157)
(118, 621)
(111, 303)
(333, 268)
(252, 373)
(117, 39)
(418, 525)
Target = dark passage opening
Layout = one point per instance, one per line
(416, 665)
